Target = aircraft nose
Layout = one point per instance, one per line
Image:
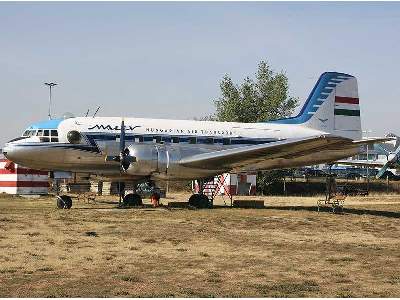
(16, 153)
(9, 151)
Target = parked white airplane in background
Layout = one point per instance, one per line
(328, 128)
(392, 160)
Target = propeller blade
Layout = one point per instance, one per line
(125, 164)
(122, 137)
(112, 158)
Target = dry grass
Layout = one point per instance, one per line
(287, 250)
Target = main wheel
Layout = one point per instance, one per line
(64, 201)
(199, 201)
(132, 200)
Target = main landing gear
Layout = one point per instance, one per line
(132, 200)
(63, 201)
(199, 201)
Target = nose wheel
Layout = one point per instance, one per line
(64, 202)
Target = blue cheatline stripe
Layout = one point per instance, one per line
(324, 86)
(81, 147)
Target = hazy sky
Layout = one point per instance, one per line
(166, 59)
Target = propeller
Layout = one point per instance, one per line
(392, 159)
(124, 157)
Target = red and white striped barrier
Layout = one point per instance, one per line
(238, 184)
(18, 180)
(234, 184)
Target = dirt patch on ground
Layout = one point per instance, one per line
(285, 250)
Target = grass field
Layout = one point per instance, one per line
(285, 250)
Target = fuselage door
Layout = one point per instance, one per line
(162, 159)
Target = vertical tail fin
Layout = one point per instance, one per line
(332, 107)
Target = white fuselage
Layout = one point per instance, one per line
(159, 145)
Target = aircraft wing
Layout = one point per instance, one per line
(236, 158)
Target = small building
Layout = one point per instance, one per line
(18, 180)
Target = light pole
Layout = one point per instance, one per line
(366, 132)
(50, 85)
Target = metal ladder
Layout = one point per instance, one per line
(211, 186)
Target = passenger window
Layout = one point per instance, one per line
(209, 141)
(46, 133)
(226, 141)
(26, 133)
(54, 139)
(45, 139)
(192, 140)
(139, 139)
(157, 139)
(175, 139)
(166, 139)
(54, 133)
(39, 133)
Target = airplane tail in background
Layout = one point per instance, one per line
(332, 107)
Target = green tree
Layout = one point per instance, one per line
(263, 99)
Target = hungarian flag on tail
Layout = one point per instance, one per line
(346, 106)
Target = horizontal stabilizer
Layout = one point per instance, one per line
(371, 141)
(361, 163)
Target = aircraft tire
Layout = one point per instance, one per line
(199, 201)
(132, 200)
(64, 202)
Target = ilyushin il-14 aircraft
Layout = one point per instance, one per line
(328, 128)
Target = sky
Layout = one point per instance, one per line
(165, 60)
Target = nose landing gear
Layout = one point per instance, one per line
(64, 202)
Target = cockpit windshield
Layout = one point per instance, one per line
(45, 135)
(29, 133)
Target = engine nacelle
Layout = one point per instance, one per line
(146, 158)
(162, 162)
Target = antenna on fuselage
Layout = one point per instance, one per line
(87, 113)
(96, 111)
(50, 85)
